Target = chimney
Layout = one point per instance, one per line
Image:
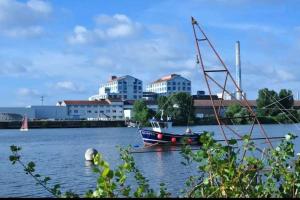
(238, 74)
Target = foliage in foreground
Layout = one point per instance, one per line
(224, 171)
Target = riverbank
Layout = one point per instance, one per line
(63, 124)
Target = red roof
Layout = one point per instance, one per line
(207, 103)
(86, 102)
(166, 78)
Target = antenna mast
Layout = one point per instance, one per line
(42, 100)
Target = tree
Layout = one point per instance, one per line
(286, 98)
(141, 112)
(233, 109)
(165, 104)
(238, 113)
(266, 103)
(183, 107)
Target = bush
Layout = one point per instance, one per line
(224, 171)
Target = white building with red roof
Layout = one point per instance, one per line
(104, 109)
(170, 84)
(125, 87)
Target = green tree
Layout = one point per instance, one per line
(266, 103)
(165, 104)
(183, 108)
(233, 109)
(286, 98)
(238, 114)
(141, 112)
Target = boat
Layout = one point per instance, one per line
(131, 124)
(160, 135)
(24, 126)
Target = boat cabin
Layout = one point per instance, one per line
(157, 126)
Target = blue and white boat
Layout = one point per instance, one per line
(163, 137)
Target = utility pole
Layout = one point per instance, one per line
(42, 100)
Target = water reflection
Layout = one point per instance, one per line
(89, 164)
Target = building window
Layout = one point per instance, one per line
(75, 111)
(114, 111)
(183, 83)
(134, 96)
(89, 111)
(183, 88)
(178, 88)
(169, 88)
(140, 87)
(174, 83)
(125, 96)
(189, 84)
(96, 111)
(174, 88)
(188, 88)
(107, 111)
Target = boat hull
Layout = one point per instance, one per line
(151, 138)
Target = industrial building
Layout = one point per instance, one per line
(37, 112)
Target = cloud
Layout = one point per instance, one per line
(107, 27)
(23, 19)
(16, 67)
(68, 86)
(27, 92)
(249, 27)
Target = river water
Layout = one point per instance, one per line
(59, 153)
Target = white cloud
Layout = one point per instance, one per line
(107, 28)
(68, 86)
(284, 75)
(14, 67)
(250, 27)
(40, 6)
(18, 19)
(26, 92)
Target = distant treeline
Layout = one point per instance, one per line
(272, 108)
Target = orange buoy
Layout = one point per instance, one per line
(159, 136)
(173, 140)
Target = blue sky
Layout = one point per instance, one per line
(64, 49)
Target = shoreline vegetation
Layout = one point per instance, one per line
(272, 108)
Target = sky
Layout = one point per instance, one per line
(64, 50)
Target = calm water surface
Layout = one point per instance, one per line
(59, 153)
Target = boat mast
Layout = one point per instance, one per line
(200, 37)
